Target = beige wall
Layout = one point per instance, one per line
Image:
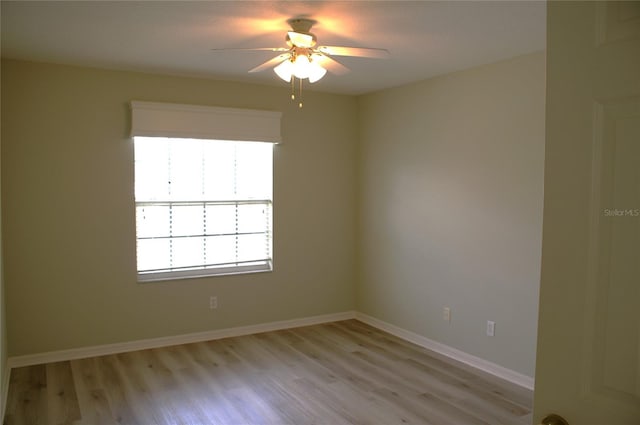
(450, 208)
(444, 189)
(68, 211)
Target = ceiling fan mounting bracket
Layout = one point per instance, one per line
(302, 25)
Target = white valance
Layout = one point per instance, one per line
(153, 119)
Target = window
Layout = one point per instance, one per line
(203, 204)
(202, 207)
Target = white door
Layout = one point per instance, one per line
(588, 361)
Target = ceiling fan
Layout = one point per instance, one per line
(303, 59)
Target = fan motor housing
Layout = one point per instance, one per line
(302, 40)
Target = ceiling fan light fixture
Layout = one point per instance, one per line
(301, 67)
(306, 67)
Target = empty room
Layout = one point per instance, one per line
(320, 212)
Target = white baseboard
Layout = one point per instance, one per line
(455, 354)
(102, 350)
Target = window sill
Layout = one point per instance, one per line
(198, 274)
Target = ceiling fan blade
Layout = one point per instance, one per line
(330, 64)
(254, 49)
(362, 52)
(271, 62)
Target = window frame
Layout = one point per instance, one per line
(150, 119)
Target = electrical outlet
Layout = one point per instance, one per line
(213, 302)
(491, 328)
(446, 314)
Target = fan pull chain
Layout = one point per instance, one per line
(293, 90)
(300, 93)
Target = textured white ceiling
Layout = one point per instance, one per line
(424, 38)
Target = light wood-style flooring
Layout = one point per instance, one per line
(337, 373)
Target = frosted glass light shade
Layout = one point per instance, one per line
(302, 67)
(317, 72)
(284, 70)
